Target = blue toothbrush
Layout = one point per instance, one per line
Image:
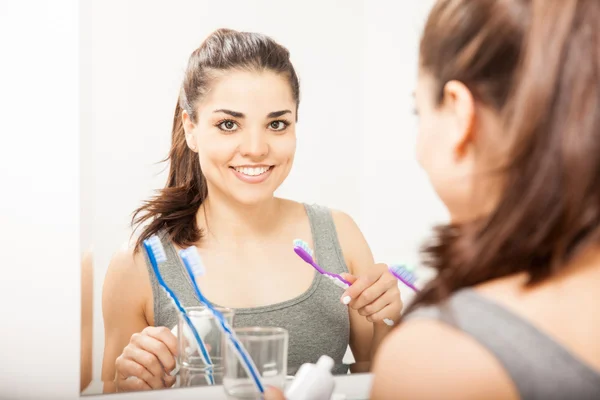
(193, 265)
(157, 254)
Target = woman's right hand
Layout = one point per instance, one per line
(147, 361)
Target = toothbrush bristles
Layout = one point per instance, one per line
(157, 249)
(303, 245)
(404, 273)
(193, 259)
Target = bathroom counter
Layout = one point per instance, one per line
(347, 387)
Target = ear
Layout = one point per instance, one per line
(188, 128)
(459, 102)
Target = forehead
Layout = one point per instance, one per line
(249, 92)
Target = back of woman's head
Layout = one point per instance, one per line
(173, 210)
(536, 63)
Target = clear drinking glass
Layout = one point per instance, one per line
(193, 371)
(268, 348)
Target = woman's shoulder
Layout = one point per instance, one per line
(128, 260)
(340, 218)
(131, 258)
(459, 366)
(127, 278)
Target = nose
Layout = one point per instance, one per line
(254, 144)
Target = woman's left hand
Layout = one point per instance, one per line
(375, 295)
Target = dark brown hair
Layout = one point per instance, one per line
(537, 63)
(173, 210)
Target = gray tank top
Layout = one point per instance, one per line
(317, 322)
(539, 367)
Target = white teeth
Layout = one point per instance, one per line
(252, 171)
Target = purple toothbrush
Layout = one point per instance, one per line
(404, 275)
(305, 252)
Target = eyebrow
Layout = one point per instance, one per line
(232, 113)
(276, 114)
(237, 114)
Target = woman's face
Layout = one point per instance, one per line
(245, 135)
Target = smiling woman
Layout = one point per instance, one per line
(253, 139)
(233, 145)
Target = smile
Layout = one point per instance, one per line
(253, 171)
(253, 174)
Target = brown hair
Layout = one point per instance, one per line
(173, 210)
(537, 63)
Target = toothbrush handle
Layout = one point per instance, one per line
(246, 360)
(334, 276)
(339, 278)
(203, 351)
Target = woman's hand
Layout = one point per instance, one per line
(147, 361)
(375, 295)
(272, 393)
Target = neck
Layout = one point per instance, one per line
(586, 265)
(227, 220)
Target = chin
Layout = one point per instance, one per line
(253, 197)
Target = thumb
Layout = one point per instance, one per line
(272, 393)
(349, 277)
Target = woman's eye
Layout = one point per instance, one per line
(278, 125)
(228, 126)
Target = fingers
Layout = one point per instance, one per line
(133, 376)
(357, 288)
(170, 381)
(375, 296)
(155, 345)
(131, 384)
(371, 294)
(388, 315)
(349, 277)
(363, 282)
(148, 362)
(164, 335)
(377, 305)
(272, 393)
(368, 288)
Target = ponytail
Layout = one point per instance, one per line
(173, 210)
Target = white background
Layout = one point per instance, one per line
(357, 64)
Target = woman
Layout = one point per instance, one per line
(509, 103)
(233, 144)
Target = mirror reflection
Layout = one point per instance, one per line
(245, 226)
(233, 145)
(241, 265)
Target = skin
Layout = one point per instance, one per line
(426, 359)
(240, 221)
(87, 314)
